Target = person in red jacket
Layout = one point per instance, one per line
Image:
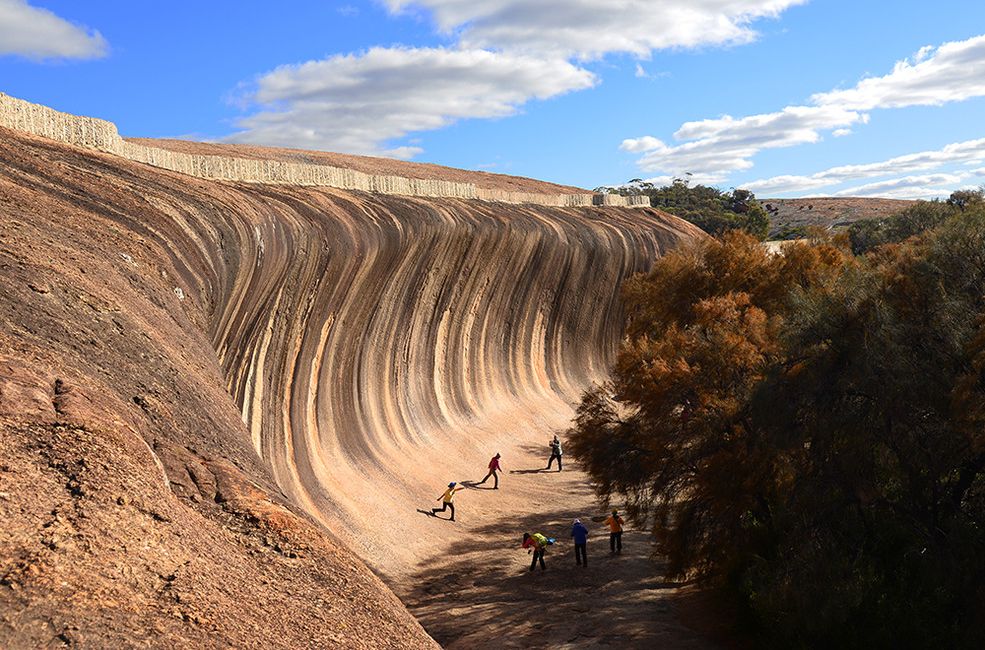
(494, 470)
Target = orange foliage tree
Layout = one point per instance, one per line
(805, 430)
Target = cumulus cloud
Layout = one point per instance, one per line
(717, 147)
(906, 185)
(714, 148)
(358, 102)
(969, 152)
(935, 76)
(588, 29)
(506, 53)
(37, 33)
(927, 186)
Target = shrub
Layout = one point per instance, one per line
(807, 432)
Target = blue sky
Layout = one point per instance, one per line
(786, 97)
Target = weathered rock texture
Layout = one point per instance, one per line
(199, 379)
(102, 135)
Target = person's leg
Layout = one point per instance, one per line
(484, 478)
(437, 510)
(578, 554)
(495, 476)
(451, 506)
(542, 567)
(559, 465)
(550, 461)
(533, 562)
(584, 555)
(619, 542)
(612, 542)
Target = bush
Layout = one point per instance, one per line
(922, 216)
(807, 432)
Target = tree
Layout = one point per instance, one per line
(963, 199)
(714, 211)
(807, 432)
(868, 234)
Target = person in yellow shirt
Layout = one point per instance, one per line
(537, 544)
(445, 499)
(615, 523)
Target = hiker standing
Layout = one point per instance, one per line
(536, 543)
(493, 469)
(445, 499)
(580, 533)
(615, 532)
(555, 453)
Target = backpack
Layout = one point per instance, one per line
(542, 541)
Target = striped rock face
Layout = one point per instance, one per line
(270, 361)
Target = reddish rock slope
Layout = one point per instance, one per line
(211, 391)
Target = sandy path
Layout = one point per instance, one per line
(476, 590)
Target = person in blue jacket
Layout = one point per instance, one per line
(580, 533)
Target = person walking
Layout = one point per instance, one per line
(615, 532)
(580, 533)
(446, 499)
(494, 468)
(555, 453)
(537, 544)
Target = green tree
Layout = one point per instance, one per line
(714, 211)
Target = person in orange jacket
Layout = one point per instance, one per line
(615, 523)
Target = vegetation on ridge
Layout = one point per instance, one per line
(807, 431)
(714, 211)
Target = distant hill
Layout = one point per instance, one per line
(791, 218)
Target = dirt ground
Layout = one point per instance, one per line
(477, 590)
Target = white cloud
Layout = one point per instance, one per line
(717, 147)
(908, 186)
(356, 103)
(928, 186)
(506, 53)
(969, 152)
(37, 33)
(714, 148)
(952, 72)
(641, 73)
(784, 185)
(588, 29)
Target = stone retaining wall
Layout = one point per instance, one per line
(102, 135)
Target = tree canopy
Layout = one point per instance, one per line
(807, 432)
(921, 216)
(713, 210)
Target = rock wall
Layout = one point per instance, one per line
(135, 510)
(102, 135)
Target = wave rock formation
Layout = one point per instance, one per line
(267, 354)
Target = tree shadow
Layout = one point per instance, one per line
(481, 593)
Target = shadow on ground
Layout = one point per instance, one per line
(482, 594)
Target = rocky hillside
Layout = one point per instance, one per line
(217, 399)
(793, 218)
